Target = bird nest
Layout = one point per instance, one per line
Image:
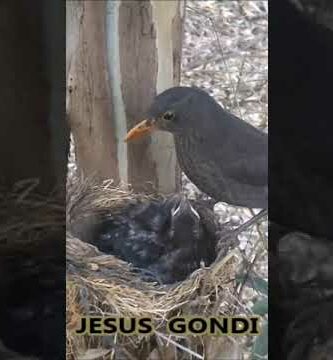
(29, 217)
(104, 285)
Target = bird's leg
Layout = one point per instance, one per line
(250, 222)
(240, 229)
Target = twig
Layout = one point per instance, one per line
(240, 229)
(189, 351)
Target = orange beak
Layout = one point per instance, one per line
(144, 127)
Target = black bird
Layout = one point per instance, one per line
(167, 239)
(192, 237)
(224, 156)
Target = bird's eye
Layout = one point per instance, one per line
(168, 115)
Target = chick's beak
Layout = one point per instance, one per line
(181, 206)
(144, 127)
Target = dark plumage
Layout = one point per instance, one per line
(166, 239)
(32, 301)
(306, 292)
(222, 155)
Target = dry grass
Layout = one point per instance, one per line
(100, 284)
(27, 216)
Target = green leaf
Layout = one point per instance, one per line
(255, 282)
(260, 307)
(239, 278)
(260, 346)
(259, 284)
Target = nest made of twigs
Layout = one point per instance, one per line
(28, 216)
(101, 284)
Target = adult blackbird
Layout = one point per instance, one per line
(224, 156)
(166, 240)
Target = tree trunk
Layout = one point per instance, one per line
(89, 102)
(120, 55)
(144, 48)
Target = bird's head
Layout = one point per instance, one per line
(185, 220)
(169, 112)
(165, 121)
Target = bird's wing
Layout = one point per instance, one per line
(244, 170)
(237, 150)
(239, 180)
(241, 153)
(237, 162)
(236, 189)
(175, 265)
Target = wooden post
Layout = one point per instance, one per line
(144, 49)
(89, 103)
(120, 55)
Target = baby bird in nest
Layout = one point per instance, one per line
(165, 240)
